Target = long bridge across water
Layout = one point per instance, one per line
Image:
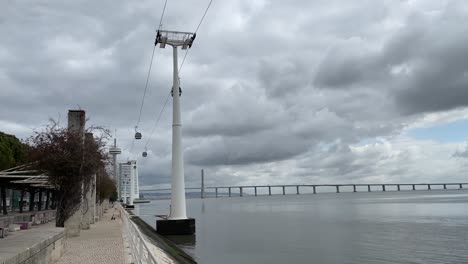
(315, 188)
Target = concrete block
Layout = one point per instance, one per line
(73, 224)
(3, 232)
(176, 227)
(14, 228)
(25, 225)
(39, 245)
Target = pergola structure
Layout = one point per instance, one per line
(25, 179)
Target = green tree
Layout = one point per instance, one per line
(70, 162)
(11, 151)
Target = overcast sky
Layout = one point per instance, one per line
(274, 92)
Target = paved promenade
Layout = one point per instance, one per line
(101, 244)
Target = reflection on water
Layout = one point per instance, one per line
(391, 227)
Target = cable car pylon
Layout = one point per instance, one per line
(177, 223)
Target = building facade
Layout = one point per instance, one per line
(128, 181)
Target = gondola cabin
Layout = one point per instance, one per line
(137, 135)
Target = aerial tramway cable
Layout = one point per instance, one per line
(196, 30)
(180, 68)
(138, 135)
(157, 120)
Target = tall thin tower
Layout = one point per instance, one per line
(178, 214)
(114, 151)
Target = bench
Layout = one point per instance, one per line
(24, 225)
(3, 232)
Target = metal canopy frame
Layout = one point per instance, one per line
(174, 38)
(24, 176)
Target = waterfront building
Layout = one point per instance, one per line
(128, 182)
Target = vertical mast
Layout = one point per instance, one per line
(184, 40)
(114, 151)
(178, 207)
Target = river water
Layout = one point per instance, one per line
(378, 227)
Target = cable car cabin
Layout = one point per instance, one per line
(144, 154)
(137, 135)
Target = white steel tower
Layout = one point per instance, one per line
(184, 40)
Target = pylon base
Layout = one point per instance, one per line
(176, 227)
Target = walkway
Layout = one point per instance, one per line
(101, 244)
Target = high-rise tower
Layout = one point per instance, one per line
(128, 182)
(114, 151)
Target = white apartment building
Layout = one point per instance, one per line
(128, 182)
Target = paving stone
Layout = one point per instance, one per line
(101, 244)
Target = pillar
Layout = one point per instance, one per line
(368, 188)
(269, 190)
(39, 205)
(240, 191)
(414, 187)
(383, 187)
(4, 205)
(13, 199)
(445, 186)
(87, 199)
(202, 191)
(178, 207)
(398, 187)
(284, 191)
(229, 190)
(461, 186)
(53, 200)
(47, 203)
(337, 189)
(428, 186)
(354, 188)
(76, 124)
(31, 199)
(216, 192)
(297, 189)
(314, 187)
(21, 202)
(93, 199)
(255, 189)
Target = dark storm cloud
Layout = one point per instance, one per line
(259, 148)
(420, 66)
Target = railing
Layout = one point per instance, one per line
(139, 248)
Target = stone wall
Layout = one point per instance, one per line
(35, 248)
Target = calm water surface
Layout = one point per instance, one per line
(392, 227)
